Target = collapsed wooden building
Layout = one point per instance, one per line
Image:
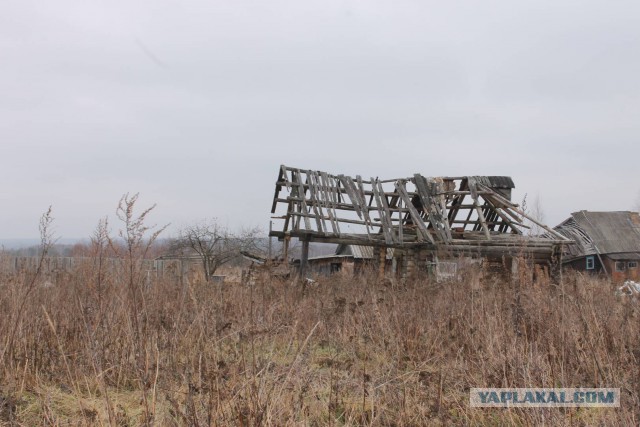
(425, 219)
(603, 242)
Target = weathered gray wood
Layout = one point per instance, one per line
(333, 201)
(400, 222)
(443, 216)
(483, 222)
(329, 202)
(347, 183)
(336, 198)
(317, 208)
(387, 212)
(385, 224)
(413, 212)
(504, 217)
(304, 259)
(533, 220)
(340, 206)
(363, 199)
(303, 204)
(431, 209)
(282, 173)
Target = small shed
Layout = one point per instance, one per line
(349, 259)
(604, 242)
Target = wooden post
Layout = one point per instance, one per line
(285, 254)
(411, 263)
(382, 259)
(269, 258)
(304, 259)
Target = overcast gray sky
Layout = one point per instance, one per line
(195, 104)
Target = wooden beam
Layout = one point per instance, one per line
(482, 221)
(413, 212)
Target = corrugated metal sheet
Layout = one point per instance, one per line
(611, 232)
(625, 256)
(360, 252)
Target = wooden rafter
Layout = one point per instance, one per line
(452, 212)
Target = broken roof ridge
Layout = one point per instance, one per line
(496, 181)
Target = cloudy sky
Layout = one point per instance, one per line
(196, 103)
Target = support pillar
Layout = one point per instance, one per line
(411, 263)
(285, 254)
(304, 259)
(382, 261)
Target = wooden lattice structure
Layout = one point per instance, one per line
(470, 215)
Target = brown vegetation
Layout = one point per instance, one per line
(113, 348)
(343, 352)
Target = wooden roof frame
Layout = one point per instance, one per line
(455, 213)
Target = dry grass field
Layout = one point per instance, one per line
(105, 347)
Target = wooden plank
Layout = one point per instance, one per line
(340, 190)
(489, 200)
(281, 175)
(302, 205)
(335, 197)
(382, 214)
(327, 199)
(521, 213)
(357, 199)
(429, 206)
(458, 200)
(444, 217)
(315, 203)
(482, 221)
(363, 199)
(340, 206)
(400, 222)
(413, 212)
(355, 202)
(385, 206)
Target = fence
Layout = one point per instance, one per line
(181, 269)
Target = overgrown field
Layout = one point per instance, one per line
(105, 347)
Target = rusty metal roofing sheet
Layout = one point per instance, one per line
(611, 232)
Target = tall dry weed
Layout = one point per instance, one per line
(342, 351)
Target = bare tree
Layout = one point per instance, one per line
(537, 213)
(215, 245)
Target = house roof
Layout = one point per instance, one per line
(625, 256)
(603, 232)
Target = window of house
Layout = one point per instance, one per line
(620, 266)
(632, 264)
(591, 263)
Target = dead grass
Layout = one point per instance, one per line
(344, 351)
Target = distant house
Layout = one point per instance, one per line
(605, 242)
